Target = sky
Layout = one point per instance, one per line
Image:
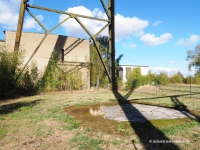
(154, 33)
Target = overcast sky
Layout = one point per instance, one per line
(154, 33)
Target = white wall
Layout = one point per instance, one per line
(144, 70)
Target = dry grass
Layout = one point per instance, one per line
(46, 121)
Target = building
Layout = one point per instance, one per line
(2, 42)
(74, 52)
(124, 70)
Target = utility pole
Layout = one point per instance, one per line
(111, 4)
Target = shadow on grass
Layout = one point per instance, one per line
(180, 106)
(150, 136)
(9, 108)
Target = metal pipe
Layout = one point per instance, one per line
(66, 13)
(20, 24)
(106, 10)
(102, 29)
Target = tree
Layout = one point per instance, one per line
(162, 78)
(151, 77)
(194, 58)
(177, 78)
(133, 80)
(197, 78)
(97, 72)
(189, 79)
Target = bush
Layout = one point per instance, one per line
(162, 79)
(177, 78)
(14, 81)
(60, 77)
(135, 79)
(189, 79)
(197, 78)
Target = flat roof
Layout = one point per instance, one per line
(44, 33)
(133, 65)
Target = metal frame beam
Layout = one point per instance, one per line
(20, 24)
(112, 42)
(110, 22)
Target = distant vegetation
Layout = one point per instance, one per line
(15, 82)
(135, 79)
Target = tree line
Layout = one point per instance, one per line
(14, 82)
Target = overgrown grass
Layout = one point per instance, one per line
(40, 122)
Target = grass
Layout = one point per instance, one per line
(61, 121)
(85, 143)
(173, 130)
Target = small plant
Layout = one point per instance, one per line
(119, 128)
(83, 142)
(117, 142)
(3, 132)
(72, 124)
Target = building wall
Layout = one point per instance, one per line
(123, 71)
(2, 42)
(75, 50)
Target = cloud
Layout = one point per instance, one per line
(9, 13)
(156, 23)
(129, 45)
(74, 29)
(124, 26)
(151, 40)
(174, 62)
(169, 71)
(190, 41)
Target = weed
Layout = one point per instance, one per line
(87, 129)
(25, 109)
(173, 130)
(79, 105)
(119, 128)
(85, 143)
(72, 124)
(3, 132)
(127, 132)
(117, 142)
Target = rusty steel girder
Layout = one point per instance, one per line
(110, 24)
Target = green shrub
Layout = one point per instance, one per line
(60, 77)
(162, 79)
(177, 78)
(189, 79)
(14, 80)
(135, 79)
(197, 78)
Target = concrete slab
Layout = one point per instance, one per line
(141, 113)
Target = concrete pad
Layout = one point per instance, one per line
(141, 113)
